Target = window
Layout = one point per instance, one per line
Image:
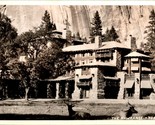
(77, 63)
(83, 54)
(90, 61)
(84, 93)
(83, 62)
(91, 54)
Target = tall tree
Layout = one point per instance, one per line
(47, 26)
(150, 30)
(96, 28)
(113, 34)
(8, 33)
(47, 62)
(110, 35)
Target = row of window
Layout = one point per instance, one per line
(84, 54)
(84, 62)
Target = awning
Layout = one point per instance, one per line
(146, 69)
(129, 84)
(145, 84)
(134, 68)
(111, 78)
(60, 78)
(85, 77)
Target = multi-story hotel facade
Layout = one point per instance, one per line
(103, 70)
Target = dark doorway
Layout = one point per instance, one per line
(111, 89)
(42, 90)
(12, 89)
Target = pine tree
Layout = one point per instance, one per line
(150, 45)
(113, 34)
(47, 22)
(151, 31)
(96, 28)
(46, 26)
(110, 35)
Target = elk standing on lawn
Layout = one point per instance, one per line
(77, 115)
(124, 114)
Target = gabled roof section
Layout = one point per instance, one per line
(92, 46)
(113, 44)
(135, 54)
(82, 47)
(61, 78)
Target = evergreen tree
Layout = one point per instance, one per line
(47, 22)
(7, 47)
(110, 35)
(113, 34)
(96, 23)
(48, 61)
(150, 30)
(46, 26)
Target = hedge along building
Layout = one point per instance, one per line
(96, 68)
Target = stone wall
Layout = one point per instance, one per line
(119, 60)
(101, 84)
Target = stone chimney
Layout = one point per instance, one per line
(98, 41)
(133, 44)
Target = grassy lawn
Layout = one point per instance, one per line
(41, 109)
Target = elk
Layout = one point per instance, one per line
(126, 113)
(77, 115)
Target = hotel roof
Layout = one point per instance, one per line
(92, 46)
(135, 54)
(82, 47)
(113, 44)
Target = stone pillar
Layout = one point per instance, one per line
(93, 91)
(129, 65)
(137, 86)
(57, 91)
(121, 93)
(140, 66)
(6, 92)
(49, 90)
(76, 93)
(66, 90)
(152, 82)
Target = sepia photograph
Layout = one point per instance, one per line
(77, 62)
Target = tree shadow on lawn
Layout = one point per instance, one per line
(45, 117)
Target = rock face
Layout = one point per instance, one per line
(127, 20)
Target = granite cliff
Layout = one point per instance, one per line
(127, 20)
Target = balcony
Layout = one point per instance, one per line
(145, 77)
(104, 55)
(130, 77)
(83, 84)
